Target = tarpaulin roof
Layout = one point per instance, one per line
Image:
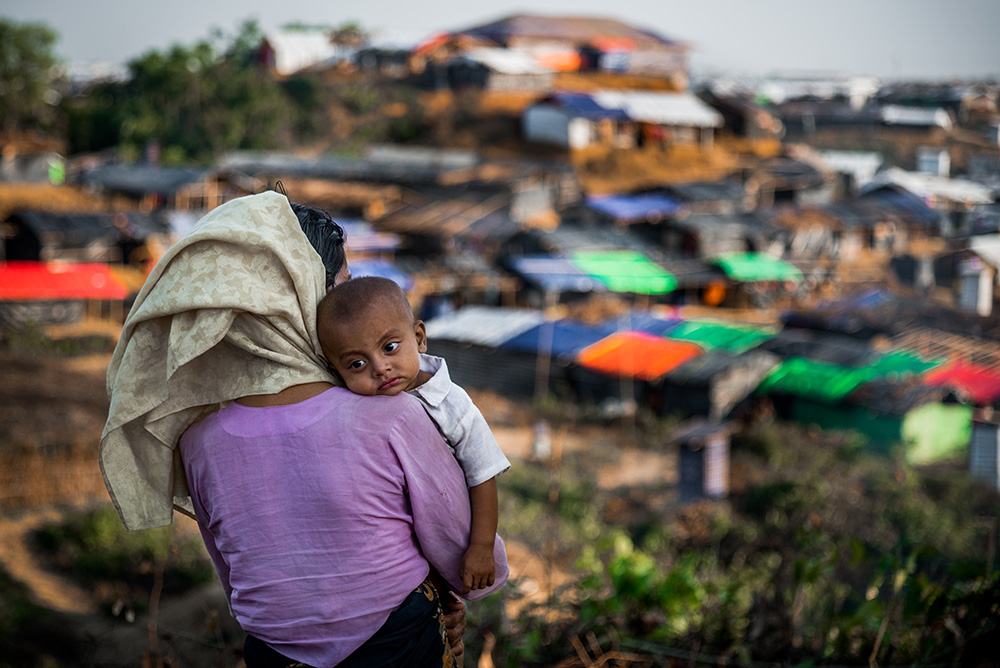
(561, 338)
(639, 207)
(757, 267)
(505, 61)
(815, 380)
(973, 382)
(625, 271)
(40, 281)
(900, 363)
(683, 109)
(713, 334)
(821, 346)
(555, 274)
(483, 325)
(637, 355)
(584, 106)
(382, 268)
(644, 321)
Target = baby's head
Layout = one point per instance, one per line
(369, 336)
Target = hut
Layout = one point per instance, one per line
(702, 459)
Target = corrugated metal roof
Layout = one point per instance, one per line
(81, 229)
(930, 186)
(483, 325)
(636, 355)
(505, 61)
(41, 281)
(634, 208)
(662, 108)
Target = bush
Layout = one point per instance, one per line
(94, 548)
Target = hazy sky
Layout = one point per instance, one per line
(889, 38)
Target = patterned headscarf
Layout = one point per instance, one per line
(229, 311)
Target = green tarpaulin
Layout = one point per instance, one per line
(901, 363)
(750, 267)
(817, 380)
(625, 271)
(712, 334)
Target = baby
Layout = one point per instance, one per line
(371, 339)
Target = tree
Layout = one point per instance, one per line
(28, 74)
(194, 102)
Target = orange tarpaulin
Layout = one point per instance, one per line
(53, 281)
(637, 355)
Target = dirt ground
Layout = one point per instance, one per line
(54, 411)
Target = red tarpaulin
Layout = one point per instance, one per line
(637, 355)
(978, 384)
(42, 281)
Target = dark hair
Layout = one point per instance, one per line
(323, 233)
(326, 236)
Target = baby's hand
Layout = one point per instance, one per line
(477, 568)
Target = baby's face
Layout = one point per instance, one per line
(380, 355)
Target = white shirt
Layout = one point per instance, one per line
(460, 422)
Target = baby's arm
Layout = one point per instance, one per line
(478, 564)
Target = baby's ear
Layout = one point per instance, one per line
(420, 332)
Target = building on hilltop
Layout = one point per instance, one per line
(572, 43)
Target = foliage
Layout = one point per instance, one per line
(28, 76)
(96, 550)
(195, 103)
(835, 557)
(30, 635)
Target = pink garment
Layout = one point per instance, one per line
(322, 516)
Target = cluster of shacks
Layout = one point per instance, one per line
(733, 295)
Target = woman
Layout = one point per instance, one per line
(228, 315)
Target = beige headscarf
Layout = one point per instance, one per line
(229, 311)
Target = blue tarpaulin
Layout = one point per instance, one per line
(630, 208)
(555, 274)
(584, 106)
(560, 338)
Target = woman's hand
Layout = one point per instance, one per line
(454, 623)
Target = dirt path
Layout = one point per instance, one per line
(50, 589)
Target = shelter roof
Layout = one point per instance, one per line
(702, 369)
(684, 109)
(560, 338)
(987, 247)
(828, 348)
(813, 379)
(895, 397)
(555, 274)
(757, 267)
(140, 180)
(504, 61)
(81, 229)
(625, 271)
(638, 207)
(483, 325)
(295, 50)
(720, 191)
(720, 335)
(930, 186)
(636, 355)
(972, 382)
(876, 312)
(582, 105)
(41, 281)
(573, 30)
